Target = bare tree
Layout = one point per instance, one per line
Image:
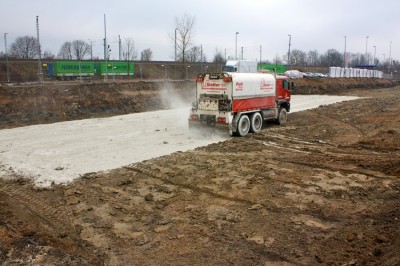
(80, 49)
(48, 55)
(194, 54)
(24, 47)
(65, 51)
(184, 35)
(298, 58)
(332, 57)
(128, 50)
(218, 57)
(312, 58)
(146, 55)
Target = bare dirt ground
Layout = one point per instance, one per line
(325, 189)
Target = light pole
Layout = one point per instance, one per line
(390, 53)
(105, 46)
(165, 71)
(366, 50)
(345, 63)
(39, 53)
(91, 49)
(236, 45)
(374, 54)
(5, 45)
(290, 43)
(187, 72)
(175, 42)
(119, 47)
(383, 62)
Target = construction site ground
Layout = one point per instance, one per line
(322, 190)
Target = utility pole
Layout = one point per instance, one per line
(290, 43)
(5, 45)
(260, 53)
(105, 46)
(374, 54)
(390, 59)
(236, 46)
(344, 56)
(39, 53)
(91, 49)
(366, 50)
(175, 43)
(119, 47)
(201, 58)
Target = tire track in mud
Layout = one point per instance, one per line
(140, 169)
(345, 124)
(324, 147)
(318, 151)
(53, 218)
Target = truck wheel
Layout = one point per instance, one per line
(256, 122)
(243, 125)
(282, 116)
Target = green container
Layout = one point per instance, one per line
(280, 69)
(73, 68)
(115, 68)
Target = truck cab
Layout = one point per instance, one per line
(283, 87)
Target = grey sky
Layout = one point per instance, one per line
(313, 24)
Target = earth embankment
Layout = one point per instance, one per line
(22, 105)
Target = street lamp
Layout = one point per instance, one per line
(175, 42)
(383, 62)
(187, 72)
(5, 45)
(374, 54)
(165, 71)
(236, 46)
(290, 43)
(345, 63)
(366, 51)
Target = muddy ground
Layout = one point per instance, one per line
(324, 189)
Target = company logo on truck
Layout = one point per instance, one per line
(209, 84)
(239, 86)
(266, 85)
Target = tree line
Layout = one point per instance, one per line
(182, 40)
(27, 47)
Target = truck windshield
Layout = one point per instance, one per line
(229, 69)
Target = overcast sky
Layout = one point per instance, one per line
(313, 24)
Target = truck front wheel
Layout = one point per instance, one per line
(282, 116)
(256, 122)
(243, 125)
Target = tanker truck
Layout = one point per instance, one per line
(240, 102)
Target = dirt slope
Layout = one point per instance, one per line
(325, 189)
(28, 104)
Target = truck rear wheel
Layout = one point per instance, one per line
(256, 122)
(243, 125)
(282, 116)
